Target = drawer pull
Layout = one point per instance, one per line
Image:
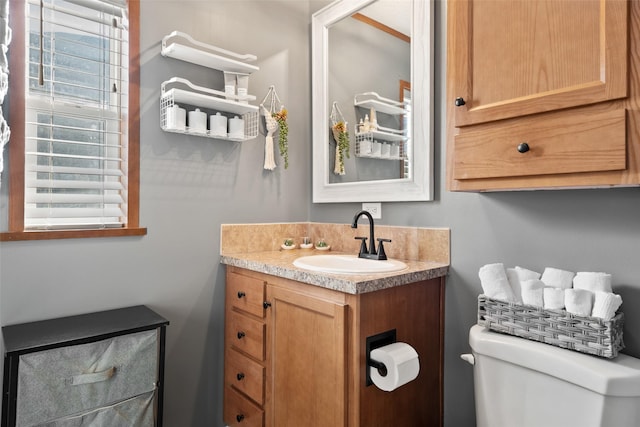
(239, 418)
(266, 304)
(241, 335)
(93, 377)
(459, 101)
(523, 147)
(240, 376)
(241, 294)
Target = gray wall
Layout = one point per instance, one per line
(190, 185)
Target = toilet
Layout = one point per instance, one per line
(524, 383)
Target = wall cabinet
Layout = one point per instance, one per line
(543, 94)
(102, 368)
(295, 354)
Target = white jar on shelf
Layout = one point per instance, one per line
(176, 118)
(218, 125)
(197, 121)
(385, 149)
(236, 128)
(376, 149)
(395, 151)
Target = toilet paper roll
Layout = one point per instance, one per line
(402, 365)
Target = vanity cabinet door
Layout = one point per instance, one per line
(542, 94)
(306, 360)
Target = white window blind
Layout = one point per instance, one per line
(76, 114)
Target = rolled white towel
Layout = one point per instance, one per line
(556, 278)
(593, 281)
(606, 304)
(494, 282)
(553, 298)
(532, 292)
(578, 301)
(518, 275)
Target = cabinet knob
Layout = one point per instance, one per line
(241, 294)
(266, 304)
(239, 418)
(523, 147)
(459, 101)
(241, 335)
(239, 376)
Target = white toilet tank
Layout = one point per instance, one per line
(523, 383)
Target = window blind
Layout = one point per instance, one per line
(76, 114)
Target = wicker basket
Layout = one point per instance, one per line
(590, 335)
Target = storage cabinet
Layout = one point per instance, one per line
(96, 369)
(313, 369)
(543, 94)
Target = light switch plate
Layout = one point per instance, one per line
(375, 209)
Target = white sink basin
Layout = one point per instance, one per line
(347, 264)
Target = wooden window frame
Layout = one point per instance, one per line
(16, 146)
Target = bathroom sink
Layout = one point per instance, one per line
(347, 264)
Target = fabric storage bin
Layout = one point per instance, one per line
(88, 378)
(138, 411)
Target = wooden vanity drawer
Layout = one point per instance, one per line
(240, 411)
(245, 375)
(557, 144)
(245, 293)
(245, 334)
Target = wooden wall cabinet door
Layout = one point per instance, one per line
(306, 353)
(542, 93)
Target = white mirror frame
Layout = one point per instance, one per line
(420, 186)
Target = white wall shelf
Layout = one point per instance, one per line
(382, 135)
(369, 147)
(378, 103)
(206, 55)
(210, 99)
(183, 47)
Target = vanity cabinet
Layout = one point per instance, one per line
(543, 94)
(297, 357)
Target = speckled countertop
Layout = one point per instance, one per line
(280, 263)
(256, 247)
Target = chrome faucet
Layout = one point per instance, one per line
(371, 253)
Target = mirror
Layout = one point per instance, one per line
(363, 71)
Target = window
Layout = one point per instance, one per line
(73, 155)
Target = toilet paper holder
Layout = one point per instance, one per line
(377, 341)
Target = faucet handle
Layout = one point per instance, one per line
(363, 245)
(381, 254)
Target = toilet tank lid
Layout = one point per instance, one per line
(615, 377)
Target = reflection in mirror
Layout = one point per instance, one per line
(363, 52)
(367, 58)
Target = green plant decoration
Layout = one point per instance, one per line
(341, 135)
(283, 134)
